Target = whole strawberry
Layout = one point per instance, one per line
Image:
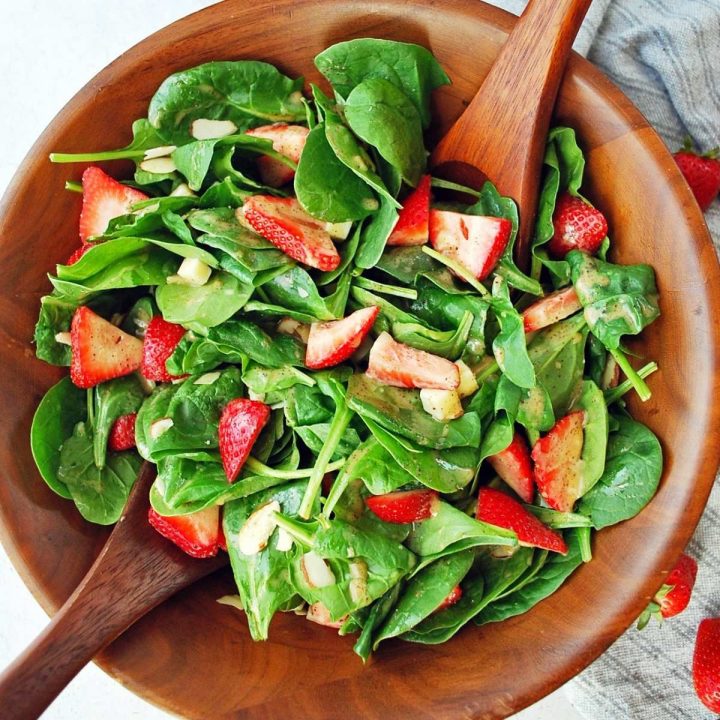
(577, 225)
(674, 596)
(706, 664)
(702, 173)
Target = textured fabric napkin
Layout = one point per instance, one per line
(665, 56)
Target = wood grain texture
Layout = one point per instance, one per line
(193, 656)
(502, 134)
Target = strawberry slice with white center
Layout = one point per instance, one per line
(475, 241)
(413, 225)
(514, 467)
(288, 140)
(453, 597)
(286, 225)
(333, 342)
(558, 471)
(404, 507)
(551, 309)
(196, 534)
(393, 363)
(100, 351)
(497, 508)
(161, 339)
(240, 424)
(104, 198)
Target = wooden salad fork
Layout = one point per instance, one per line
(501, 135)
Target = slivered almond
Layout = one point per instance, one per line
(255, 534)
(206, 129)
(316, 571)
(159, 166)
(161, 151)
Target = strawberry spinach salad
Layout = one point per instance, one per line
(340, 373)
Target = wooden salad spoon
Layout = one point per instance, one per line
(501, 135)
(136, 570)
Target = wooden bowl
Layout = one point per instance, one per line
(193, 656)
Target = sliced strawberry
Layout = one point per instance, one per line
(100, 351)
(104, 198)
(557, 462)
(475, 241)
(196, 534)
(404, 507)
(400, 365)
(288, 140)
(453, 597)
(240, 424)
(497, 508)
(514, 467)
(330, 343)
(706, 664)
(79, 252)
(680, 582)
(161, 339)
(578, 226)
(702, 173)
(413, 225)
(122, 433)
(286, 225)
(551, 309)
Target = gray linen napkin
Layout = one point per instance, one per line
(665, 55)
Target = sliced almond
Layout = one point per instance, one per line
(255, 534)
(316, 571)
(161, 151)
(358, 581)
(294, 328)
(159, 427)
(232, 601)
(443, 405)
(284, 541)
(159, 166)
(63, 338)
(318, 613)
(183, 190)
(207, 379)
(468, 383)
(205, 129)
(339, 231)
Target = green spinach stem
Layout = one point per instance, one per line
(293, 528)
(614, 394)
(73, 186)
(96, 156)
(261, 469)
(402, 292)
(459, 269)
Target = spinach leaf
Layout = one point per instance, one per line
(295, 289)
(405, 264)
(411, 68)
(631, 476)
(62, 407)
(326, 188)
(55, 317)
(154, 408)
(264, 579)
(100, 494)
(424, 593)
(400, 411)
(498, 435)
(446, 343)
(595, 432)
(378, 612)
(249, 93)
(617, 299)
(372, 463)
(246, 338)
(224, 193)
(531, 407)
(558, 520)
(383, 116)
(375, 233)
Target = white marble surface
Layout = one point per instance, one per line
(48, 50)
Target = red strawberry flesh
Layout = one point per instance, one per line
(577, 225)
(161, 339)
(240, 424)
(497, 508)
(404, 507)
(681, 581)
(453, 597)
(702, 174)
(413, 225)
(333, 342)
(514, 467)
(288, 140)
(551, 309)
(79, 252)
(122, 433)
(286, 225)
(393, 363)
(196, 534)
(706, 664)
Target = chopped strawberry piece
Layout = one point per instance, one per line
(318, 613)
(475, 241)
(195, 534)
(330, 343)
(161, 339)
(79, 252)
(578, 226)
(453, 597)
(497, 508)
(702, 173)
(413, 225)
(557, 462)
(104, 198)
(404, 507)
(514, 467)
(288, 140)
(100, 351)
(681, 581)
(122, 433)
(222, 540)
(240, 424)
(706, 664)
(393, 363)
(286, 225)
(551, 309)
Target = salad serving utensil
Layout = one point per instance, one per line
(501, 135)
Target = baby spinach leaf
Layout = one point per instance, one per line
(55, 317)
(617, 299)
(247, 92)
(62, 407)
(631, 476)
(100, 494)
(184, 483)
(241, 336)
(378, 612)
(154, 408)
(498, 436)
(595, 429)
(372, 463)
(596, 359)
(558, 520)
(224, 193)
(296, 290)
(326, 188)
(406, 263)
(446, 343)
(383, 116)
(222, 222)
(375, 233)
(400, 411)
(411, 68)
(531, 407)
